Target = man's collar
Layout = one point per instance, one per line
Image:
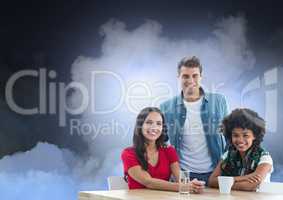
(180, 98)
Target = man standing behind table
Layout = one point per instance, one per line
(193, 119)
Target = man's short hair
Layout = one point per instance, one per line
(190, 62)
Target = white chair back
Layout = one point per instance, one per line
(116, 183)
(272, 187)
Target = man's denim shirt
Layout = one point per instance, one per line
(213, 110)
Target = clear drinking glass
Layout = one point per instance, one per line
(184, 181)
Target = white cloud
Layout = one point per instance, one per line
(48, 172)
(144, 62)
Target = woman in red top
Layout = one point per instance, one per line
(150, 162)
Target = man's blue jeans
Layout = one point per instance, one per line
(201, 176)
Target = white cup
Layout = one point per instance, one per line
(225, 184)
(184, 181)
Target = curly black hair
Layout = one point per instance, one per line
(246, 119)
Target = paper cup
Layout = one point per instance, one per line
(225, 184)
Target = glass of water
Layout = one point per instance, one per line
(184, 181)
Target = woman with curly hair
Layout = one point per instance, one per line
(245, 159)
(149, 163)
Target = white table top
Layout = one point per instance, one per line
(146, 194)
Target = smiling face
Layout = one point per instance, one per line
(242, 139)
(152, 126)
(190, 78)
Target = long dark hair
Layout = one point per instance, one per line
(139, 141)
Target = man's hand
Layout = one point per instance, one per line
(197, 186)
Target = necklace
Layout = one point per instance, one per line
(152, 158)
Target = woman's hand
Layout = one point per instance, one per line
(255, 178)
(252, 178)
(196, 186)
